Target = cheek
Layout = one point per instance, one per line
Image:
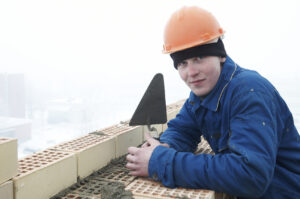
(215, 76)
(182, 75)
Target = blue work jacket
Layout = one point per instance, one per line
(251, 131)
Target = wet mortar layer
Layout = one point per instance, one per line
(106, 183)
(98, 133)
(113, 182)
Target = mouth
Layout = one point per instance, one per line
(198, 82)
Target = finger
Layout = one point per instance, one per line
(132, 150)
(146, 144)
(130, 158)
(135, 173)
(138, 172)
(147, 136)
(131, 166)
(150, 139)
(166, 145)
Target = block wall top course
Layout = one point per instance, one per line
(77, 196)
(175, 106)
(118, 129)
(148, 188)
(39, 160)
(120, 174)
(91, 186)
(115, 172)
(92, 189)
(89, 189)
(81, 143)
(5, 139)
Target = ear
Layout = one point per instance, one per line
(222, 59)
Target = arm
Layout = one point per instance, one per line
(247, 166)
(182, 133)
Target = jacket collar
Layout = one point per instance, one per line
(212, 100)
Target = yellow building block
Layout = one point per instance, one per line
(44, 174)
(8, 158)
(126, 136)
(6, 190)
(129, 138)
(92, 151)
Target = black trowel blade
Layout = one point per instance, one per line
(152, 107)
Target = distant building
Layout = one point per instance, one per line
(12, 95)
(12, 107)
(15, 128)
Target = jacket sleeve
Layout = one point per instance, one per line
(182, 133)
(244, 169)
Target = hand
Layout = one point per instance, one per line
(138, 158)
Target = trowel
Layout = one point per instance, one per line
(152, 107)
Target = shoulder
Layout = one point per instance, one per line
(245, 81)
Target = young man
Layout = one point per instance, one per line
(241, 115)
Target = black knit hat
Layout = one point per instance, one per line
(211, 49)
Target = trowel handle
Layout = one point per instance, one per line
(153, 129)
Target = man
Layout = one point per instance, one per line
(241, 115)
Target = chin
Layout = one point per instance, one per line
(200, 93)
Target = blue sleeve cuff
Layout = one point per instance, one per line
(160, 166)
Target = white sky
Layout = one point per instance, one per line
(119, 41)
(112, 49)
(72, 35)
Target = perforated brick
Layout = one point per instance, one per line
(8, 158)
(147, 188)
(118, 128)
(94, 188)
(44, 174)
(92, 151)
(126, 136)
(116, 175)
(81, 143)
(89, 189)
(77, 196)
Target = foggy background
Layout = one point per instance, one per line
(69, 67)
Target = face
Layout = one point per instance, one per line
(201, 73)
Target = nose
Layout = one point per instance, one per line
(192, 69)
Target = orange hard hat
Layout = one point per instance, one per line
(189, 27)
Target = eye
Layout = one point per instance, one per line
(199, 58)
(182, 64)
